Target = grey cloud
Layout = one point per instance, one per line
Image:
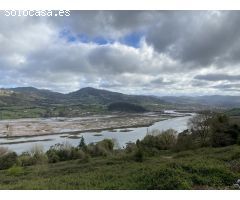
(218, 77)
(228, 86)
(113, 24)
(201, 38)
(175, 46)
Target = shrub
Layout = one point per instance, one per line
(130, 147)
(59, 152)
(7, 160)
(97, 150)
(107, 144)
(82, 145)
(221, 139)
(163, 179)
(223, 133)
(34, 156)
(102, 148)
(38, 155)
(25, 159)
(63, 152)
(235, 166)
(52, 156)
(185, 141)
(77, 154)
(138, 155)
(160, 140)
(15, 171)
(199, 125)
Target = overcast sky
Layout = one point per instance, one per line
(157, 53)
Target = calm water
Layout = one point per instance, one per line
(178, 123)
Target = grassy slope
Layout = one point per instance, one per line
(205, 168)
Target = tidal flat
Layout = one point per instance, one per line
(48, 126)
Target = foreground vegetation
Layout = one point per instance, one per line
(206, 156)
(205, 168)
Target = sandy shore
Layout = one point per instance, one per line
(34, 127)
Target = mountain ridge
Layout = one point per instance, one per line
(89, 95)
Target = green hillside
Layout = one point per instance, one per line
(205, 168)
(30, 102)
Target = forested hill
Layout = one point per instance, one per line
(29, 96)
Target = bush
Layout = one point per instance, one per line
(184, 141)
(97, 150)
(221, 139)
(102, 148)
(25, 159)
(107, 144)
(15, 171)
(34, 156)
(82, 145)
(138, 155)
(63, 152)
(38, 155)
(130, 147)
(52, 156)
(223, 133)
(160, 140)
(163, 179)
(8, 160)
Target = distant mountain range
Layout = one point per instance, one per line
(210, 101)
(30, 96)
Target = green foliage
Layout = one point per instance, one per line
(138, 155)
(204, 168)
(102, 148)
(211, 130)
(162, 160)
(130, 147)
(233, 112)
(25, 159)
(160, 140)
(185, 141)
(63, 152)
(222, 132)
(82, 145)
(36, 156)
(163, 179)
(108, 144)
(34, 103)
(15, 171)
(199, 126)
(7, 160)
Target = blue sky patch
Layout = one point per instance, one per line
(132, 39)
(66, 34)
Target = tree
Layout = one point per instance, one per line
(199, 126)
(82, 145)
(184, 141)
(222, 132)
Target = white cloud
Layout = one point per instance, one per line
(171, 52)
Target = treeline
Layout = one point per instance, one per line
(204, 130)
(56, 153)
